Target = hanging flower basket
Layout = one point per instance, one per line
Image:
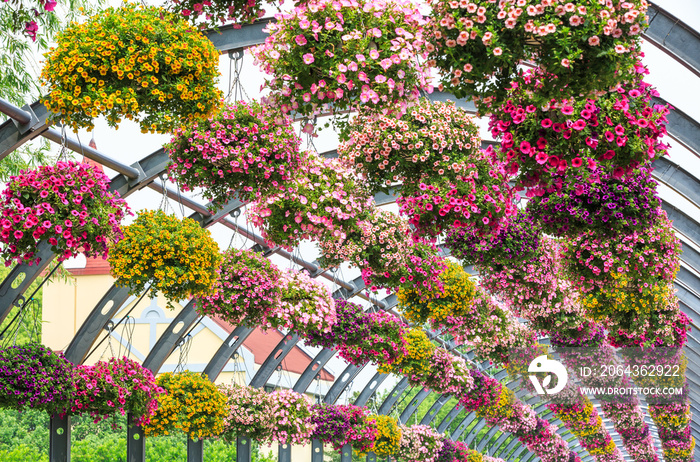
(333, 57)
(192, 404)
(388, 437)
(478, 200)
(512, 245)
(383, 249)
(305, 304)
(246, 291)
(640, 259)
(590, 46)
(362, 337)
(415, 363)
(292, 414)
(457, 451)
(175, 257)
(344, 424)
(447, 373)
(609, 206)
(117, 386)
(249, 413)
(207, 14)
(133, 62)
(619, 131)
(67, 206)
(322, 201)
(428, 142)
(244, 150)
(34, 377)
(419, 443)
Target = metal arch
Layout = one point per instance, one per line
(227, 349)
(393, 397)
(674, 37)
(370, 389)
(274, 359)
(449, 418)
(412, 406)
(170, 339)
(341, 383)
(435, 409)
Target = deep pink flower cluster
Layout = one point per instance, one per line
(618, 131)
(26, 13)
(249, 413)
(447, 373)
(321, 202)
(213, 13)
(344, 424)
(67, 206)
(432, 140)
(247, 290)
(337, 55)
(477, 200)
(245, 150)
(116, 386)
(362, 337)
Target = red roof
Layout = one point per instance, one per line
(261, 343)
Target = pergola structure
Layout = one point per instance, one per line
(670, 34)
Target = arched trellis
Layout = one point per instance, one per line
(672, 36)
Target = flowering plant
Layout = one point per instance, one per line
(193, 404)
(456, 299)
(24, 15)
(590, 46)
(603, 203)
(447, 373)
(243, 150)
(292, 413)
(176, 257)
(429, 141)
(246, 292)
(619, 131)
(415, 364)
(478, 199)
(305, 304)
(668, 326)
(484, 393)
(34, 377)
(362, 336)
(636, 261)
(384, 252)
(457, 451)
(389, 436)
(116, 386)
(67, 206)
(249, 413)
(319, 59)
(419, 443)
(135, 62)
(210, 13)
(322, 201)
(513, 244)
(345, 424)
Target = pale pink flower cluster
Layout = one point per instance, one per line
(419, 443)
(306, 304)
(322, 201)
(336, 55)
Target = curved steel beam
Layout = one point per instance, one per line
(170, 339)
(341, 383)
(435, 409)
(273, 360)
(370, 389)
(226, 351)
(412, 407)
(674, 37)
